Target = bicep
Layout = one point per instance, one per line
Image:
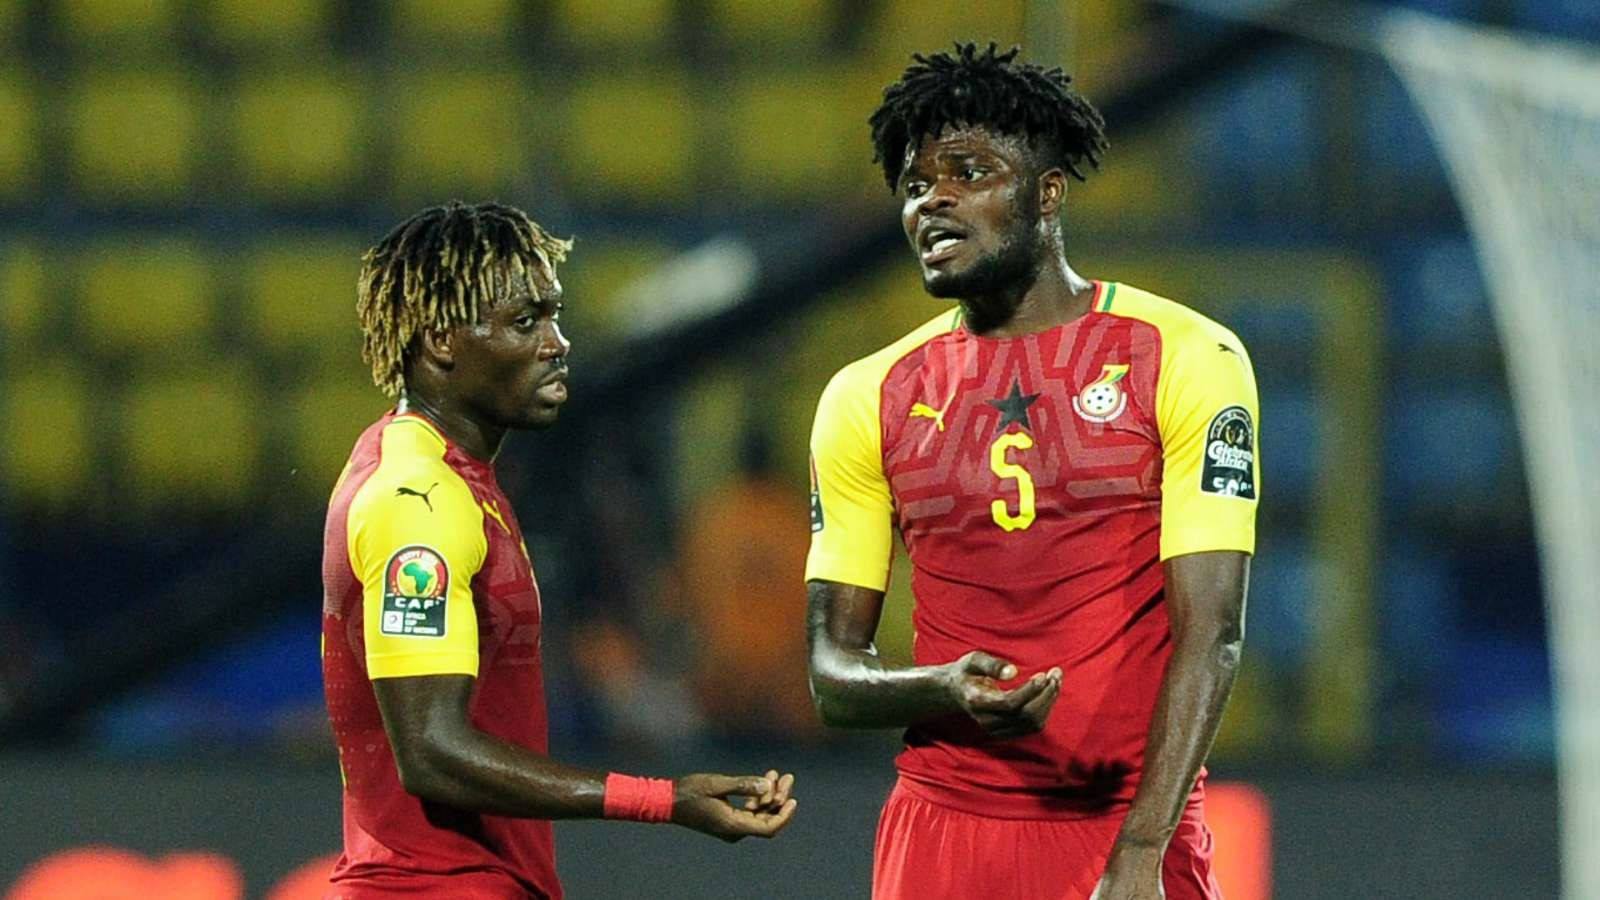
(1209, 588)
(422, 710)
(843, 615)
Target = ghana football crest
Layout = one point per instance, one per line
(1103, 399)
(416, 583)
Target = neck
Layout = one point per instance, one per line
(482, 442)
(1056, 295)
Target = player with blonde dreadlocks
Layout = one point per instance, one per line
(431, 615)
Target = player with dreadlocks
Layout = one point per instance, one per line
(1071, 465)
(431, 616)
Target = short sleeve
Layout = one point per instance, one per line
(1208, 415)
(852, 528)
(416, 541)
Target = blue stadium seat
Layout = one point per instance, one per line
(1451, 447)
(1283, 587)
(1440, 302)
(1253, 137)
(1569, 19)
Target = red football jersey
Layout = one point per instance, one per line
(1038, 482)
(424, 572)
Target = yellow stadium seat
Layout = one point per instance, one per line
(902, 27)
(795, 133)
(301, 294)
(18, 136)
(11, 20)
(298, 135)
(621, 22)
(153, 23)
(23, 302)
(634, 137)
(142, 297)
(756, 24)
(325, 419)
(597, 274)
(454, 21)
(47, 447)
(191, 439)
(296, 24)
(460, 133)
(134, 135)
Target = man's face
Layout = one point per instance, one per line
(511, 366)
(969, 211)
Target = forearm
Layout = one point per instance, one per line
(1194, 691)
(474, 771)
(857, 689)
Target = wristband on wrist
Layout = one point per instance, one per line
(638, 799)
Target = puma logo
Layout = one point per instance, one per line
(1226, 349)
(408, 492)
(928, 412)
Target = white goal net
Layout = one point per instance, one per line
(1516, 119)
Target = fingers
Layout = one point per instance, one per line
(775, 795)
(736, 785)
(978, 662)
(1038, 709)
(765, 823)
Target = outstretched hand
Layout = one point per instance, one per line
(701, 803)
(1002, 713)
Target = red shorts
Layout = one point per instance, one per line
(926, 851)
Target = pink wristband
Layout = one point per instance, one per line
(638, 799)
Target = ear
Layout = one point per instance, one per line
(1052, 192)
(437, 347)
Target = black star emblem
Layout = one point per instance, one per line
(1014, 407)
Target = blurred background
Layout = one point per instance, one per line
(186, 187)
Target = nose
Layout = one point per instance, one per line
(939, 196)
(556, 345)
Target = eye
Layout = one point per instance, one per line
(916, 187)
(524, 321)
(972, 173)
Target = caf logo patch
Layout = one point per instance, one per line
(416, 583)
(816, 498)
(1230, 465)
(1103, 399)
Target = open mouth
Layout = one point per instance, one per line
(938, 241)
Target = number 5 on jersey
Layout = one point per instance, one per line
(1004, 468)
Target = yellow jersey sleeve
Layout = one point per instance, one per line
(852, 530)
(1207, 412)
(416, 540)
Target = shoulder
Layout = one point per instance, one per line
(1181, 328)
(862, 379)
(412, 475)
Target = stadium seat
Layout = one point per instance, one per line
(144, 297)
(798, 134)
(23, 302)
(591, 285)
(454, 22)
(11, 12)
(298, 136)
(325, 418)
(633, 138)
(169, 463)
(300, 295)
(634, 23)
(461, 133)
(900, 28)
(125, 23)
(19, 139)
(134, 136)
(252, 25)
(761, 25)
(47, 449)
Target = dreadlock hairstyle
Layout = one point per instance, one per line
(991, 89)
(440, 268)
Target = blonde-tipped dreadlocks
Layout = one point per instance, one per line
(441, 268)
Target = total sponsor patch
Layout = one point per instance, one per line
(416, 584)
(1230, 464)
